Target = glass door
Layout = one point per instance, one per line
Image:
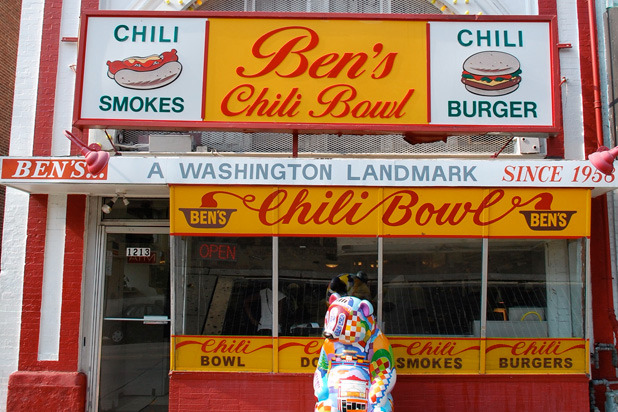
(135, 336)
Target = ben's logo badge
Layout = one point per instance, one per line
(548, 219)
(543, 218)
(208, 216)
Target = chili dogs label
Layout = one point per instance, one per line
(317, 74)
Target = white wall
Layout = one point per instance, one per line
(15, 220)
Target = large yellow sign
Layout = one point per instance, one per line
(372, 211)
(306, 72)
(412, 355)
(318, 71)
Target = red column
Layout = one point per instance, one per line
(51, 385)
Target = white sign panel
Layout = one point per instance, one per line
(147, 68)
(147, 171)
(138, 251)
(496, 73)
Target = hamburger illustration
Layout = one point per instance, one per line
(144, 73)
(491, 73)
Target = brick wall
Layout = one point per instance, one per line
(9, 26)
(253, 392)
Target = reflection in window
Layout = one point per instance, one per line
(307, 265)
(136, 209)
(223, 284)
(431, 286)
(215, 276)
(533, 290)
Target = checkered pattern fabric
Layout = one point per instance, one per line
(380, 366)
(354, 330)
(379, 386)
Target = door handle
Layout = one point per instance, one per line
(156, 320)
(146, 320)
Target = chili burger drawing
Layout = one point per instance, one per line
(491, 73)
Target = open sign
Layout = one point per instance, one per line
(218, 251)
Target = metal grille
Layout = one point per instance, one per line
(223, 5)
(416, 7)
(326, 6)
(325, 144)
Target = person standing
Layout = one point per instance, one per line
(265, 297)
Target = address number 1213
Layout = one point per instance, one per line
(138, 251)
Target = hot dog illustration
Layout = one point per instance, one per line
(145, 73)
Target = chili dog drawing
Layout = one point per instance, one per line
(145, 73)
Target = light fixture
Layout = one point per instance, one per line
(332, 265)
(125, 201)
(96, 159)
(603, 159)
(107, 207)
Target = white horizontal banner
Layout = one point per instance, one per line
(308, 172)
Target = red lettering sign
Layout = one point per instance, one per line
(295, 41)
(142, 259)
(535, 348)
(218, 251)
(399, 208)
(71, 169)
(440, 348)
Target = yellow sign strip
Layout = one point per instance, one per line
(371, 211)
(413, 356)
(537, 356)
(230, 353)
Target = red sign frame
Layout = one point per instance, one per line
(348, 128)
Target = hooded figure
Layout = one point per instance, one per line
(350, 284)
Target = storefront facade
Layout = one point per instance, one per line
(270, 160)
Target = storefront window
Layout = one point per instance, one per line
(219, 282)
(431, 286)
(533, 290)
(429, 293)
(224, 284)
(307, 265)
